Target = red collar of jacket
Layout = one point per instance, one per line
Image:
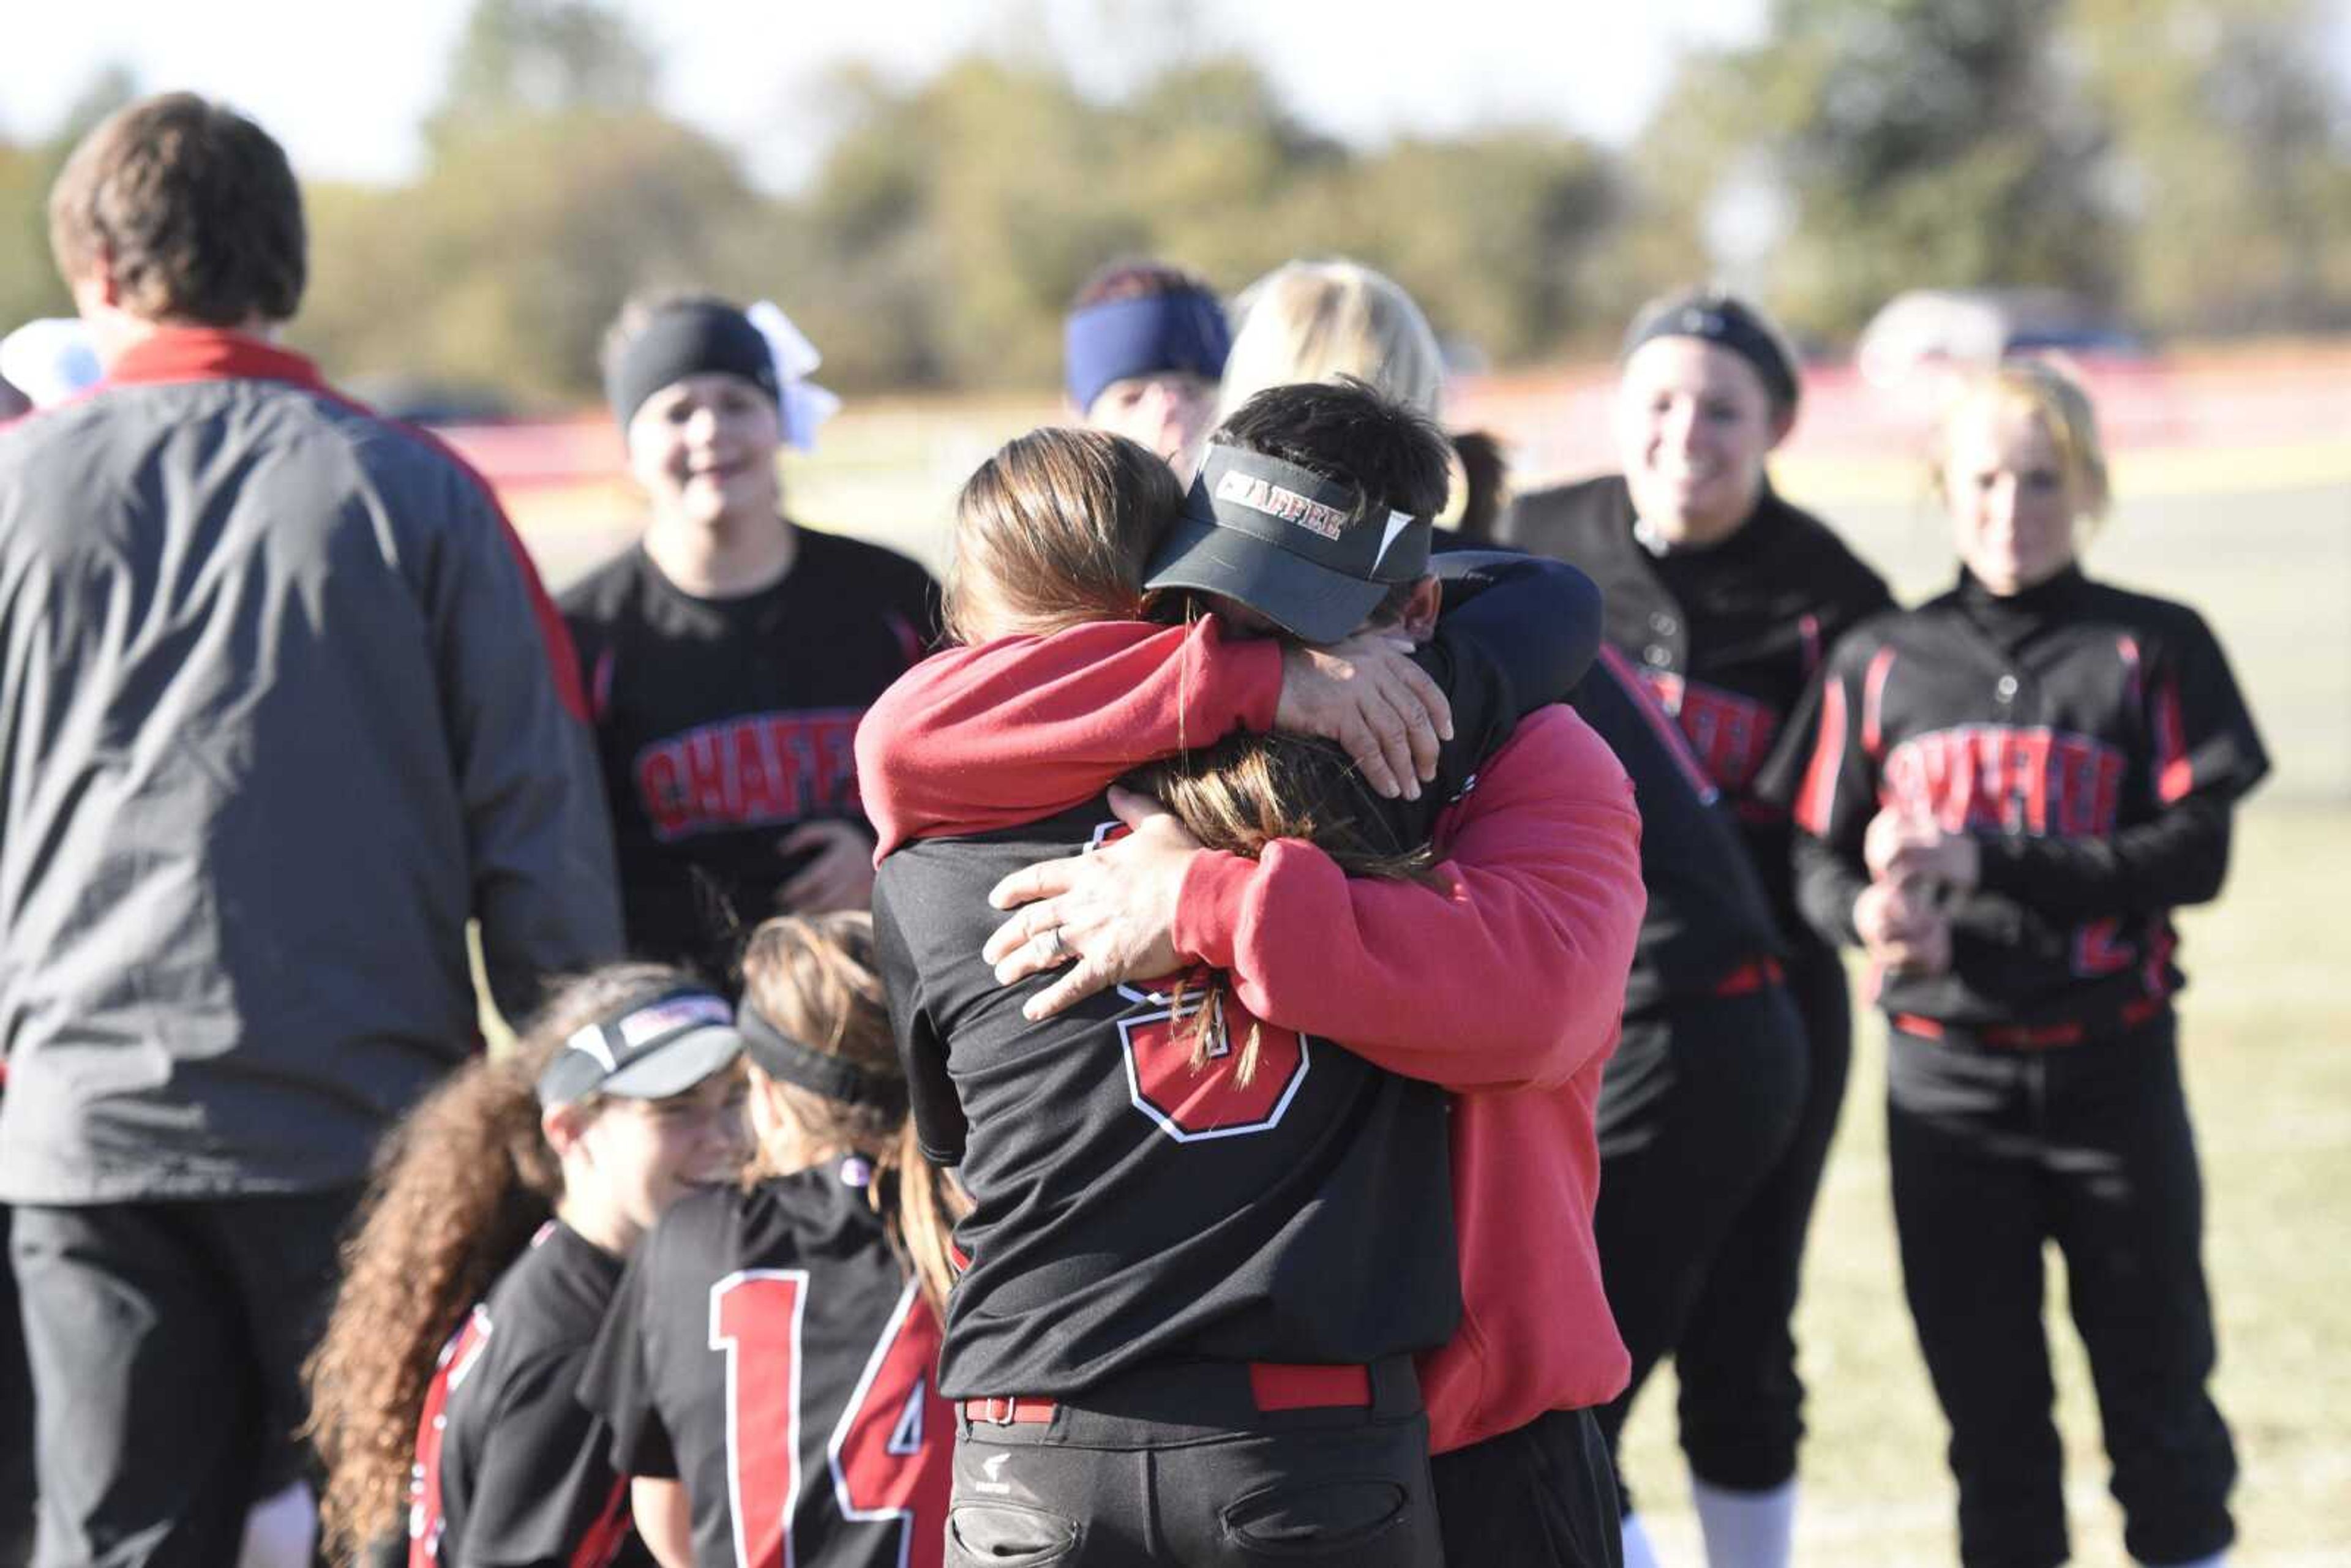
(208, 354)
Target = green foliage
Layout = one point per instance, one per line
(2183, 158)
(524, 57)
(1911, 142)
(2231, 158)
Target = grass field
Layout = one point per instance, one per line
(2264, 1027)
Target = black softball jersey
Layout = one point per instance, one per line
(723, 723)
(511, 1469)
(1727, 638)
(2091, 739)
(767, 1349)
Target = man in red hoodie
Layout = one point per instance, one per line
(1505, 988)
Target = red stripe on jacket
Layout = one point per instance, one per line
(1816, 798)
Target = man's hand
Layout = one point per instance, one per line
(1902, 929)
(1366, 694)
(1900, 848)
(839, 875)
(1110, 915)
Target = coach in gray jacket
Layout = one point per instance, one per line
(282, 703)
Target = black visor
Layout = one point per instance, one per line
(1298, 548)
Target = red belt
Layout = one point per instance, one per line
(1750, 978)
(1274, 1386)
(2018, 1037)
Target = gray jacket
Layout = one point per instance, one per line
(278, 711)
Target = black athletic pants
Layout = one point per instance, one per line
(1697, 1111)
(1741, 1401)
(1176, 1465)
(15, 1423)
(1994, 1155)
(1542, 1496)
(167, 1341)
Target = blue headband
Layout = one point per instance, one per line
(1183, 330)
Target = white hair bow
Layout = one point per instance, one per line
(49, 359)
(806, 404)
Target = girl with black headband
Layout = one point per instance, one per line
(729, 654)
(492, 1239)
(1724, 599)
(768, 1368)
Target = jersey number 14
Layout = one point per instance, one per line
(888, 1455)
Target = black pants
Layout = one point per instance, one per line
(1696, 1111)
(15, 1423)
(1995, 1154)
(1559, 1463)
(1741, 1401)
(1176, 1466)
(167, 1341)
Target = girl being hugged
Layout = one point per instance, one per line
(492, 1242)
(728, 656)
(768, 1367)
(2008, 792)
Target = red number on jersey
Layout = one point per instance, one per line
(890, 1451)
(458, 1358)
(755, 1318)
(2100, 948)
(890, 1454)
(1210, 1101)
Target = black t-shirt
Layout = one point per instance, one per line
(510, 1466)
(1128, 1210)
(722, 724)
(1728, 639)
(2094, 742)
(767, 1349)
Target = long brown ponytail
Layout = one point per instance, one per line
(460, 1186)
(815, 978)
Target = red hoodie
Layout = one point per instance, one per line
(1541, 878)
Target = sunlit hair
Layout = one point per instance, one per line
(815, 978)
(1053, 530)
(191, 208)
(1250, 791)
(1318, 320)
(2056, 403)
(460, 1185)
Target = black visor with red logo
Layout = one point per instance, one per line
(1302, 550)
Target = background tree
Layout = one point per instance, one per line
(2232, 157)
(1911, 142)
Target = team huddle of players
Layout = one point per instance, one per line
(1243, 1028)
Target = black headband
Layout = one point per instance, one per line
(683, 341)
(1721, 320)
(781, 1057)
